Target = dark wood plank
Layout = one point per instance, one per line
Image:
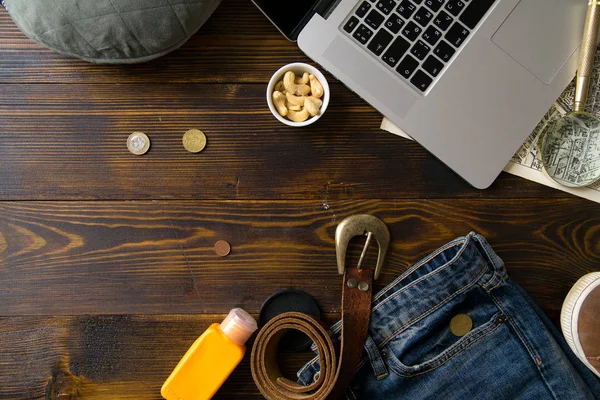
(237, 44)
(71, 258)
(106, 357)
(62, 142)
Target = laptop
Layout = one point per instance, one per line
(467, 79)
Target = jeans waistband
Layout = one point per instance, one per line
(433, 281)
(422, 289)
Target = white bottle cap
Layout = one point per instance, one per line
(238, 325)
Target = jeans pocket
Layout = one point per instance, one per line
(428, 343)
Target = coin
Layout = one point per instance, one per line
(194, 140)
(461, 324)
(222, 248)
(138, 143)
(3, 244)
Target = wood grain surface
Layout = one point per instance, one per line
(157, 257)
(66, 142)
(107, 266)
(107, 357)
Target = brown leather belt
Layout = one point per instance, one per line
(334, 376)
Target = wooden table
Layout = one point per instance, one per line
(107, 268)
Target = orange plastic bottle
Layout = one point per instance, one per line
(211, 359)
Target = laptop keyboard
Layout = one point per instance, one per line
(414, 38)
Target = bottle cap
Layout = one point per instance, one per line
(238, 325)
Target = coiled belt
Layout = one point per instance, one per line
(336, 371)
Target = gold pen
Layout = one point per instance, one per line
(587, 54)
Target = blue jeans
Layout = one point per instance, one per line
(512, 351)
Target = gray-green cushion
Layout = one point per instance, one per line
(111, 31)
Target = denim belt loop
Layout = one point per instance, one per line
(377, 363)
(492, 258)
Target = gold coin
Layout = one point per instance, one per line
(194, 140)
(138, 143)
(461, 324)
(3, 244)
(222, 248)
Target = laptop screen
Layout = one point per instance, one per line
(287, 16)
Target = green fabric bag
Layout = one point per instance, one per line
(111, 31)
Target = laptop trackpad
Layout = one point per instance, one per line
(367, 80)
(541, 35)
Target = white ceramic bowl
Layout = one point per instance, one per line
(299, 69)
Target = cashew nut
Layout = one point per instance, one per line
(290, 106)
(295, 100)
(303, 80)
(298, 116)
(279, 86)
(313, 105)
(290, 85)
(279, 103)
(315, 86)
(298, 98)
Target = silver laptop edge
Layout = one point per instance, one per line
(489, 97)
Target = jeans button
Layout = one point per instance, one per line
(384, 354)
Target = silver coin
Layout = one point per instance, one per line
(138, 143)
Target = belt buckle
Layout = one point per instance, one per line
(357, 225)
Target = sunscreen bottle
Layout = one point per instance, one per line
(210, 360)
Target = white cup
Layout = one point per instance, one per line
(299, 69)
